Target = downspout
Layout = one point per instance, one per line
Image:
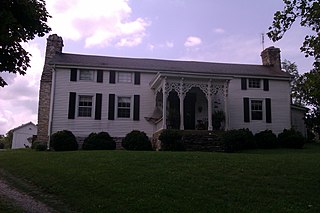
(51, 105)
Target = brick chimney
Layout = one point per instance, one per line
(271, 57)
(54, 47)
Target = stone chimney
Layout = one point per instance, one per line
(271, 57)
(54, 47)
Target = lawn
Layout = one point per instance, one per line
(280, 180)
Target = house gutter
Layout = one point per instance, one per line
(51, 105)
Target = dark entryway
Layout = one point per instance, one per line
(174, 111)
(189, 111)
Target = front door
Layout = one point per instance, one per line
(189, 111)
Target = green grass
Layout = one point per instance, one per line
(280, 180)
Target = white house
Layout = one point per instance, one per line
(88, 93)
(21, 134)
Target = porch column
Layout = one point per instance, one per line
(226, 125)
(209, 97)
(164, 104)
(181, 98)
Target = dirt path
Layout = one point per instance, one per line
(22, 200)
(27, 202)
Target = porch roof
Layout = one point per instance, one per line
(160, 65)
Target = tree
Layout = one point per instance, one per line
(21, 21)
(308, 12)
(292, 69)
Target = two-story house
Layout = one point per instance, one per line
(88, 93)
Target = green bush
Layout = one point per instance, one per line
(266, 139)
(1, 145)
(100, 141)
(63, 141)
(234, 140)
(171, 140)
(39, 146)
(136, 140)
(291, 139)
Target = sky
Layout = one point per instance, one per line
(228, 31)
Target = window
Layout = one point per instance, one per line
(256, 109)
(124, 77)
(254, 83)
(86, 75)
(85, 106)
(124, 104)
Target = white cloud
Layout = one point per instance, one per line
(169, 44)
(100, 23)
(19, 100)
(219, 30)
(192, 41)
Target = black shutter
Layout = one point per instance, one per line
(265, 84)
(243, 83)
(246, 110)
(72, 105)
(136, 107)
(112, 76)
(268, 110)
(73, 74)
(98, 106)
(99, 76)
(111, 106)
(137, 78)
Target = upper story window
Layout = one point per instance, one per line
(254, 83)
(86, 75)
(85, 106)
(256, 109)
(124, 77)
(124, 107)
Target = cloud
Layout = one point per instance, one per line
(19, 100)
(99, 23)
(192, 41)
(219, 31)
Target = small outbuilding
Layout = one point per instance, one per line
(22, 135)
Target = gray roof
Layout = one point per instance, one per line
(159, 65)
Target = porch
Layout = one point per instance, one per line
(190, 102)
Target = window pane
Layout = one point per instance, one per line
(254, 83)
(256, 110)
(86, 75)
(124, 77)
(85, 106)
(124, 107)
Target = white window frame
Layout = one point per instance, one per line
(92, 74)
(125, 78)
(253, 84)
(130, 108)
(262, 109)
(92, 105)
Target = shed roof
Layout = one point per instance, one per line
(23, 125)
(160, 65)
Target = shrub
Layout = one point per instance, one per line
(291, 139)
(171, 140)
(266, 139)
(39, 146)
(63, 141)
(1, 145)
(136, 140)
(100, 141)
(234, 140)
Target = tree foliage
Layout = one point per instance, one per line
(292, 69)
(21, 21)
(308, 13)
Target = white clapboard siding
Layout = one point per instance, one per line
(81, 127)
(279, 93)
